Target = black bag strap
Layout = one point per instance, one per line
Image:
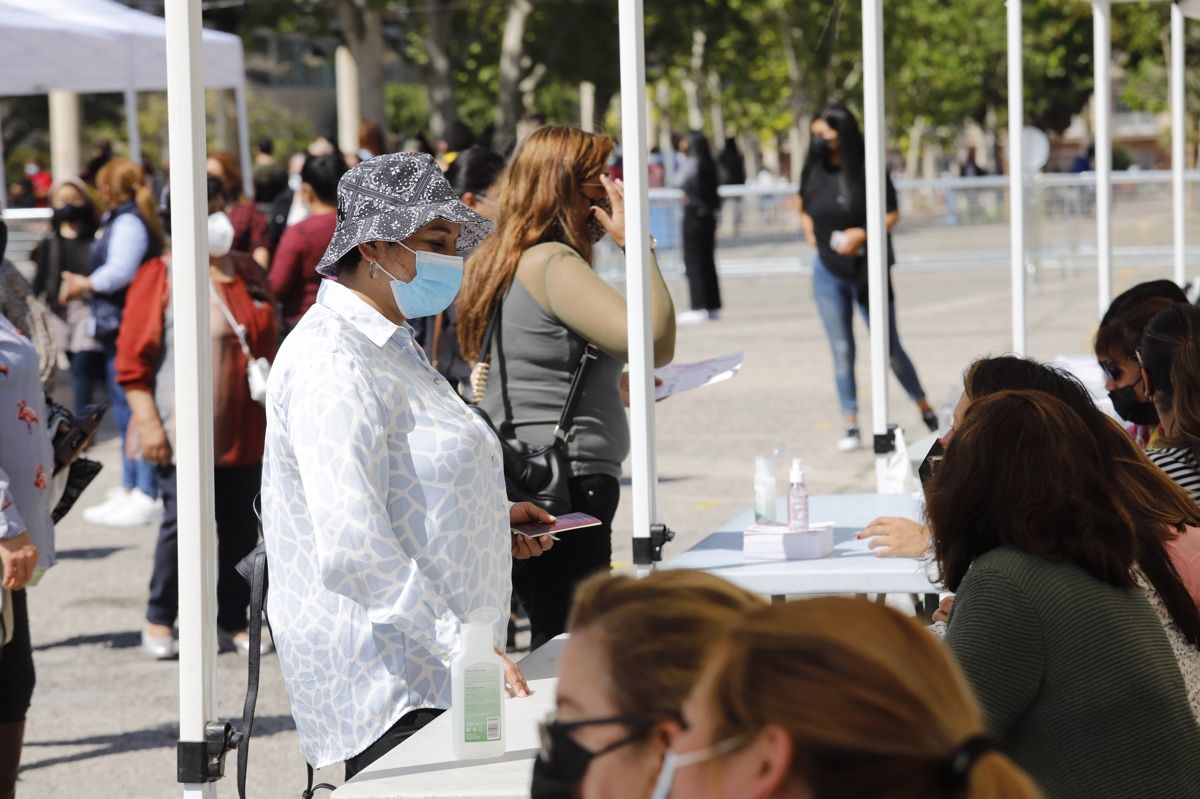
(566, 419)
(258, 589)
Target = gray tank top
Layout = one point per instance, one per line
(533, 358)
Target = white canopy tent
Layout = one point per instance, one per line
(104, 46)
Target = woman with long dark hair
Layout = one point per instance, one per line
(1044, 553)
(833, 210)
(698, 179)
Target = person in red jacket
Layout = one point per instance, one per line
(293, 275)
(145, 369)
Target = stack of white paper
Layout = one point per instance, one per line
(777, 542)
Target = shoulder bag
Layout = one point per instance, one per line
(539, 475)
(257, 369)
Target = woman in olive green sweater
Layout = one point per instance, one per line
(1068, 659)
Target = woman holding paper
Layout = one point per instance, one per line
(556, 203)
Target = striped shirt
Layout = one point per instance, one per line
(1181, 465)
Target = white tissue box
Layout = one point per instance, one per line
(777, 542)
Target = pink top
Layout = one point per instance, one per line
(1185, 556)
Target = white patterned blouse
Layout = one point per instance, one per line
(386, 523)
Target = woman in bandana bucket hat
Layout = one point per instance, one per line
(384, 508)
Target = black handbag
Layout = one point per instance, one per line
(539, 475)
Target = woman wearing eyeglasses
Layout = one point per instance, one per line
(556, 204)
(636, 649)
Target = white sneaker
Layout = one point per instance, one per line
(851, 441)
(691, 318)
(114, 498)
(134, 510)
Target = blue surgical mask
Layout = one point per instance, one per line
(673, 761)
(438, 279)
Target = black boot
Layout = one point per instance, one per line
(12, 734)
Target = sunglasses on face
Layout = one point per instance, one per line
(1112, 369)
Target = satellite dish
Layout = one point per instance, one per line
(1036, 147)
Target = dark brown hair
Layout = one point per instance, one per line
(1023, 471)
(1170, 352)
(1123, 333)
(659, 628)
(1156, 503)
(874, 705)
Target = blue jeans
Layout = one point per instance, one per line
(135, 474)
(88, 373)
(836, 298)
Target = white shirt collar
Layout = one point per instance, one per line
(344, 302)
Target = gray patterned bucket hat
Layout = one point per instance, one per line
(392, 196)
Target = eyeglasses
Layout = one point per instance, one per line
(553, 733)
(594, 184)
(1112, 369)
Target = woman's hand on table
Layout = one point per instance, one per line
(524, 547)
(514, 680)
(18, 559)
(942, 614)
(893, 537)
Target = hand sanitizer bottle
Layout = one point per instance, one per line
(477, 690)
(764, 490)
(797, 499)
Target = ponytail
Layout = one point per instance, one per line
(995, 776)
(148, 209)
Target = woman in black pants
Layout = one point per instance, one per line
(698, 179)
(556, 203)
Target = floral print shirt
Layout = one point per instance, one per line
(26, 454)
(386, 523)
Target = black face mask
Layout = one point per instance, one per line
(932, 458)
(72, 214)
(1132, 409)
(821, 148)
(562, 763)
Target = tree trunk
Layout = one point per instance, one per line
(912, 160)
(715, 109)
(512, 52)
(798, 99)
(363, 30)
(439, 74)
(693, 80)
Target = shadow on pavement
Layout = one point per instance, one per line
(118, 640)
(92, 553)
(161, 737)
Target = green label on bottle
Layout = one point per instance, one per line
(481, 701)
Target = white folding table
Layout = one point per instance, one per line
(853, 568)
(424, 767)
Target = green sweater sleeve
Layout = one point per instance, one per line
(995, 635)
(568, 288)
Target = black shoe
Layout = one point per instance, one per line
(931, 421)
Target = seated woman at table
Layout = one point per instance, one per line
(636, 649)
(1074, 671)
(834, 698)
(1169, 366)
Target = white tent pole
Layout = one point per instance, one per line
(243, 126)
(1016, 173)
(133, 136)
(1178, 139)
(638, 286)
(875, 125)
(193, 387)
(1102, 44)
(3, 171)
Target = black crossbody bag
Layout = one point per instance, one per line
(539, 475)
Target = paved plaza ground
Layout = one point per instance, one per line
(104, 717)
